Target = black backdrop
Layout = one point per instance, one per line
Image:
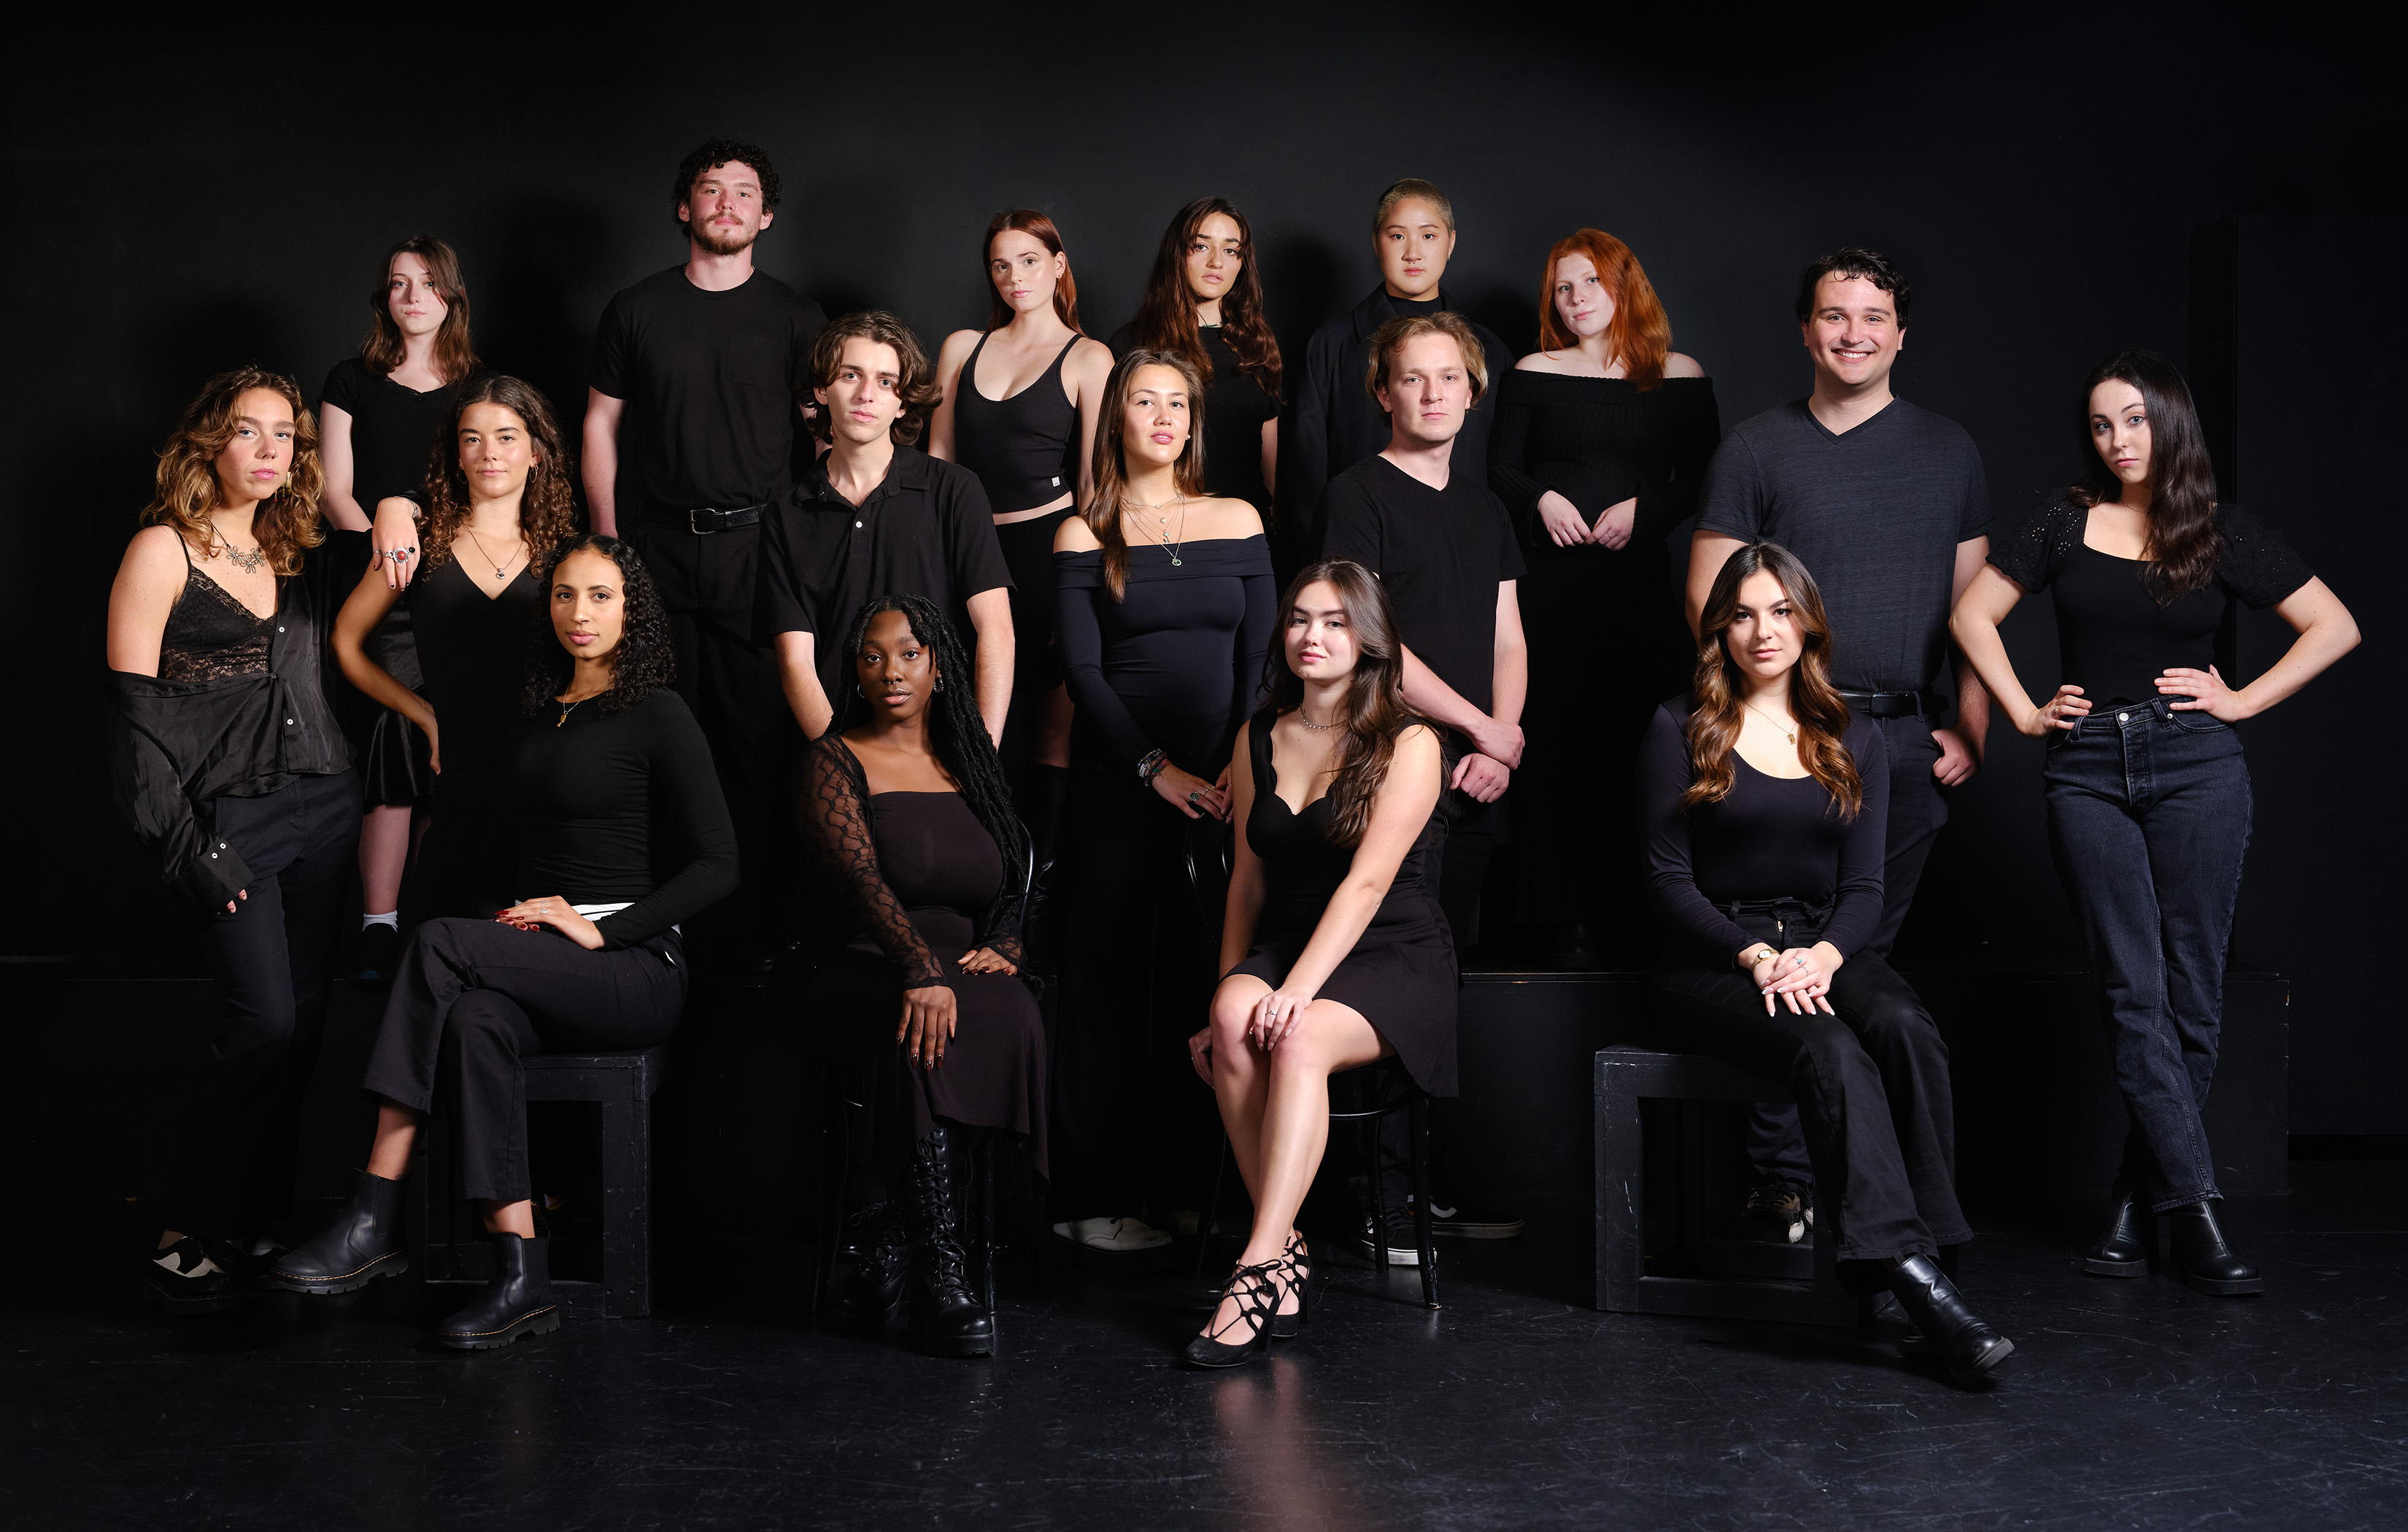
(179, 201)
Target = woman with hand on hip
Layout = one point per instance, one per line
(2148, 797)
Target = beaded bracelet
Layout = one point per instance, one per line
(1151, 766)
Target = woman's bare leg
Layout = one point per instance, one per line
(510, 1218)
(396, 1135)
(1240, 1076)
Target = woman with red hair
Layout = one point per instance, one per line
(1600, 442)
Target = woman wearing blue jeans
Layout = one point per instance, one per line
(2148, 797)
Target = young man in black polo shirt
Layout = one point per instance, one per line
(875, 517)
(689, 438)
(1427, 524)
(1334, 424)
(1886, 504)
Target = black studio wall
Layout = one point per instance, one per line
(180, 202)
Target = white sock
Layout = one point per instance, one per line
(391, 917)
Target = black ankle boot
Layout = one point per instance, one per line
(2203, 1259)
(515, 1304)
(946, 1314)
(363, 1243)
(2125, 1247)
(873, 1290)
(1965, 1346)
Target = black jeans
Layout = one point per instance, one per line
(274, 959)
(1872, 1084)
(484, 996)
(2149, 819)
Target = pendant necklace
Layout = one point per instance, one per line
(1163, 533)
(489, 557)
(1787, 733)
(569, 708)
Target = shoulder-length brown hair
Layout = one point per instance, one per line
(381, 350)
(1110, 469)
(545, 513)
(2184, 544)
(1376, 711)
(1166, 317)
(1821, 714)
(1640, 332)
(286, 522)
(1028, 221)
(915, 380)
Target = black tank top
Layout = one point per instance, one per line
(1023, 449)
(210, 634)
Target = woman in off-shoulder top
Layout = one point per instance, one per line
(2148, 797)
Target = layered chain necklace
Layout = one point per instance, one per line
(1162, 531)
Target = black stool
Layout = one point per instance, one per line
(1407, 1098)
(1625, 1074)
(624, 1085)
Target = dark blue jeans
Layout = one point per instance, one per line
(2148, 817)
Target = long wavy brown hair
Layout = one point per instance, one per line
(546, 512)
(2184, 544)
(286, 522)
(1376, 709)
(381, 350)
(1102, 511)
(1165, 316)
(1640, 332)
(1821, 713)
(1028, 221)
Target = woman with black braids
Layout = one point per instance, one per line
(610, 779)
(906, 800)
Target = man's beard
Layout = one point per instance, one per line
(723, 245)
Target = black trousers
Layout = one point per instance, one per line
(706, 581)
(274, 959)
(1872, 1084)
(476, 997)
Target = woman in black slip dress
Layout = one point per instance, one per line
(1336, 951)
(227, 763)
(905, 799)
(1164, 617)
(378, 414)
(1600, 441)
(1021, 400)
(1204, 302)
(498, 489)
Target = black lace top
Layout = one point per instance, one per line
(961, 866)
(210, 634)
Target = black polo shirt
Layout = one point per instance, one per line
(925, 530)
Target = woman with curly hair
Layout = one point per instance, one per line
(608, 781)
(1765, 807)
(905, 800)
(229, 765)
(496, 492)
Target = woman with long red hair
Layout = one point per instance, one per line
(1600, 442)
(1765, 807)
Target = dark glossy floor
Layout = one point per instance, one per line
(2127, 1404)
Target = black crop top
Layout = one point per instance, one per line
(1768, 838)
(2113, 637)
(1024, 448)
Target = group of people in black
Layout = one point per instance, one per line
(1198, 693)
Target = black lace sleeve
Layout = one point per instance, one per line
(835, 816)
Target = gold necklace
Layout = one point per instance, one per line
(1787, 733)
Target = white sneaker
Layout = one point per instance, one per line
(1113, 1236)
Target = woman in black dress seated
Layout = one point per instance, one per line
(497, 492)
(1335, 952)
(609, 779)
(905, 798)
(1763, 806)
(1163, 615)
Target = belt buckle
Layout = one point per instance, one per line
(694, 520)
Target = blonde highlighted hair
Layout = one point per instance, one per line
(286, 522)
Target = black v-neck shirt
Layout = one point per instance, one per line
(1441, 554)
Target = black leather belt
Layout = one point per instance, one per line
(1895, 704)
(705, 519)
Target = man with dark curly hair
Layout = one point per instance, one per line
(690, 438)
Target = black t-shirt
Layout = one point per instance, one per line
(392, 430)
(1440, 553)
(1875, 515)
(925, 530)
(1768, 838)
(708, 382)
(2114, 638)
(1236, 409)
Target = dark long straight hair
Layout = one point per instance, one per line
(1821, 713)
(2183, 542)
(1376, 709)
(1165, 316)
(1102, 511)
(382, 351)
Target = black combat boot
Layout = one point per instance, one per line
(873, 1290)
(946, 1313)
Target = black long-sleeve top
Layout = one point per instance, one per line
(1598, 441)
(623, 807)
(1178, 665)
(1768, 838)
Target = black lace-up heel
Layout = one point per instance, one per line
(1257, 1289)
(1299, 1282)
